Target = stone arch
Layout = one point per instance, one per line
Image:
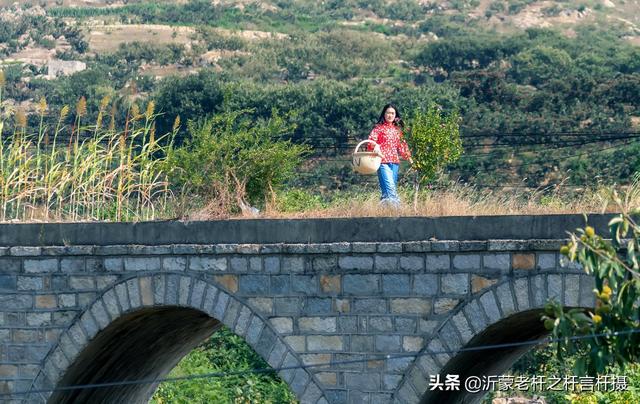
(194, 303)
(507, 312)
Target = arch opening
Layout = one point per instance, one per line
(523, 326)
(143, 344)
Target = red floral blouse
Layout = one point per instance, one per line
(392, 145)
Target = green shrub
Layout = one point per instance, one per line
(231, 156)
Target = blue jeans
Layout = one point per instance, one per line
(388, 178)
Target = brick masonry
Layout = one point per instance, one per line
(315, 304)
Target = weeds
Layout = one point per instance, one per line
(98, 174)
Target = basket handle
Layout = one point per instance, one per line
(363, 142)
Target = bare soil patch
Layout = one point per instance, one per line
(107, 38)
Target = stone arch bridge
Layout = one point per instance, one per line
(324, 299)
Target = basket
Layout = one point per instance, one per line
(366, 162)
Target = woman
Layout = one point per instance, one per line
(391, 146)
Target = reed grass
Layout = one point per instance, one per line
(98, 174)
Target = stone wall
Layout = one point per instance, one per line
(337, 307)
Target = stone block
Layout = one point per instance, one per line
(254, 284)
(466, 262)
(414, 263)
(292, 265)
(229, 282)
(538, 291)
(390, 247)
(304, 284)
(30, 283)
(363, 381)
(72, 265)
(572, 290)
(21, 251)
(319, 343)
(9, 265)
(231, 314)
(46, 302)
(479, 283)
(521, 289)
(255, 329)
(521, 261)
(282, 325)
(473, 245)
(8, 283)
(296, 342)
(330, 284)
(396, 284)
(327, 378)
(360, 284)
(277, 354)
(406, 324)
(437, 262)
(554, 288)
(221, 306)
(82, 282)
(288, 305)
(325, 263)
(174, 264)
(425, 284)
(411, 306)
(317, 324)
(462, 325)
(497, 262)
(386, 263)
(45, 265)
(239, 264)
(456, 284)
(184, 289)
(280, 284)
(546, 261)
(299, 382)
(359, 247)
(67, 300)
(255, 264)
(316, 359)
(387, 343)
(444, 305)
(380, 324)
(104, 281)
(265, 343)
(445, 245)
(340, 248)
(503, 293)
(475, 315)
(488, 302)
(197, 293)
(370, 306)
(199, 263)
(316, 305)
(318, 248)
(347, 324)
(356, 262)
(115, 264)
(272, 265)
(412, 344)
(416, 246)
(16, 302)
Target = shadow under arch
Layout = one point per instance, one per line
(524, 326)
(141, 345)
(507, 312)
(141, 327)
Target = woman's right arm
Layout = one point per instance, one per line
(373, 136)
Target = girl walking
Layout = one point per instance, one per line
(387, 133)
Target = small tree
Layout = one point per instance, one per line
(434, 141)
(614, 322)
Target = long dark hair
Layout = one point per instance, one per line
(398, 121)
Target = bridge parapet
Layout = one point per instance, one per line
(338, 307)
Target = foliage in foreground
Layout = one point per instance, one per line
(614, 321)
(223, 352)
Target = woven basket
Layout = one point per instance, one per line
(366, 162)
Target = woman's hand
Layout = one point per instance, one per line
(378, 151)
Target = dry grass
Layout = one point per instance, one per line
(459, 200)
